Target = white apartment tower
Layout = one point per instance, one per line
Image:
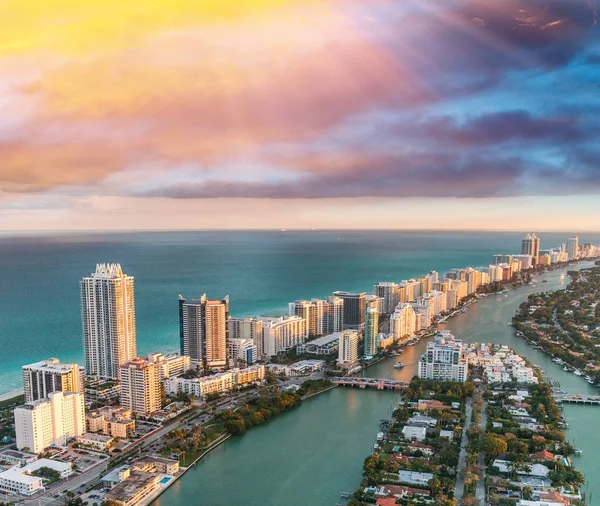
(573, 247)
(444, 359)
(322, 316)
(108, 317)
(48, 421)
(43, 378)
(203, 330)
(139, 384)
(348, 348)
(403, 322)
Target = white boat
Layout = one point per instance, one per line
(565, 368)
(590, 381)
(577, 451)
(577, 372)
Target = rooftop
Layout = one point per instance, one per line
(14, 475)
(128, 488)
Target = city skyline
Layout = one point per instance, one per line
(270, 114)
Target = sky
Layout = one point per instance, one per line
(205, 114)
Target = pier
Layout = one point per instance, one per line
(378, 383)
(577, 399)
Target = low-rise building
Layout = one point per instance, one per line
(134, 489)
(64, 469)
(414, 433)
(414, 478)
(155, 464)
(95, 441)
(15, 482)
(325, 345)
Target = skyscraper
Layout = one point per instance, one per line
(108, 317)
(390, 293)
(371, 330)
(203, 331)
(354, 309)
(530, 245)
(43, 378)
(322, 316)
(573, 247)
(139, 384)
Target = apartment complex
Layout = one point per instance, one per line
(371, 330)
(203, 331)
(322, 316)
(171, 364)
(444, 359)
(531, 246)
(47, 376)
(139, 384)
(52, 420)
(282, 334)
(355, 305)
(108, 318)
(348, 348)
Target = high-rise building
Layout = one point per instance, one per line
(348, 348)
(403, 322)
(531, 246)
(48, 421)
(139, 383)
(503, 259)
(444, 359)
(354, 309)
(390, 293)
(43, 378)
(108, 317)
(282, 334)
(203, 330)
(371, 330)
(573, 247)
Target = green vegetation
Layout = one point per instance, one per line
(314, 386)
(444, 391)
(47, 473)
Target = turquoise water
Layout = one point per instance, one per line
(261, 271)
(312, 454)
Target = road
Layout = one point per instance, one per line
(480, 491)
(462, 458)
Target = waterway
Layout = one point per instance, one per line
(311, 455)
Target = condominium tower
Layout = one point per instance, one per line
(48, 421)
(108, 317)
(139, 383)
(573, 247)
(371, 330)
(531, 246)
(43, 378)
(203, 331)
(355, 305)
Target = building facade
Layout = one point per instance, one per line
(444, 359)
(355, 305)
(573, 247)
(50, 421)
(108, 320)
(531, 246)
(203, 331)
(348, 348)
(43, 378)
(282, 334)
(139, 384)
(171, 364)
(371, 330)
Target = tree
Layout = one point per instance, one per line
(493, 445)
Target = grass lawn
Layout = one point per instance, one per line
(385, 456)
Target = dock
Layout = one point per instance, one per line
(577, 399)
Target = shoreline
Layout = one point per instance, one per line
(14, 394)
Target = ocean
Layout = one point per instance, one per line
(40, 314)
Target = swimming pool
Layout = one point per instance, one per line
(166, 479)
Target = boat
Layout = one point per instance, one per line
(398, 365)
(565, 368)
(577, 372)
(590, 381)
(577, 451)
(411, 344)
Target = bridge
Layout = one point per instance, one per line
(577, 399)
(378, 383)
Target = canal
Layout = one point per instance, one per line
(312, 454)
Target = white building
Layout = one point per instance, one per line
(573, 247)
(282, 334)
(139, 384)
(43, 378)
(172, 364)
(444, 359)
(15, 482)
(403, 322)
(414, 478)
(42, 423)
(321, 346)
(217, 383)
(389, 292)
(108, 317)
(348, 348)
(242, 349)
(64, 469)
(322, 316)
(412, 432)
